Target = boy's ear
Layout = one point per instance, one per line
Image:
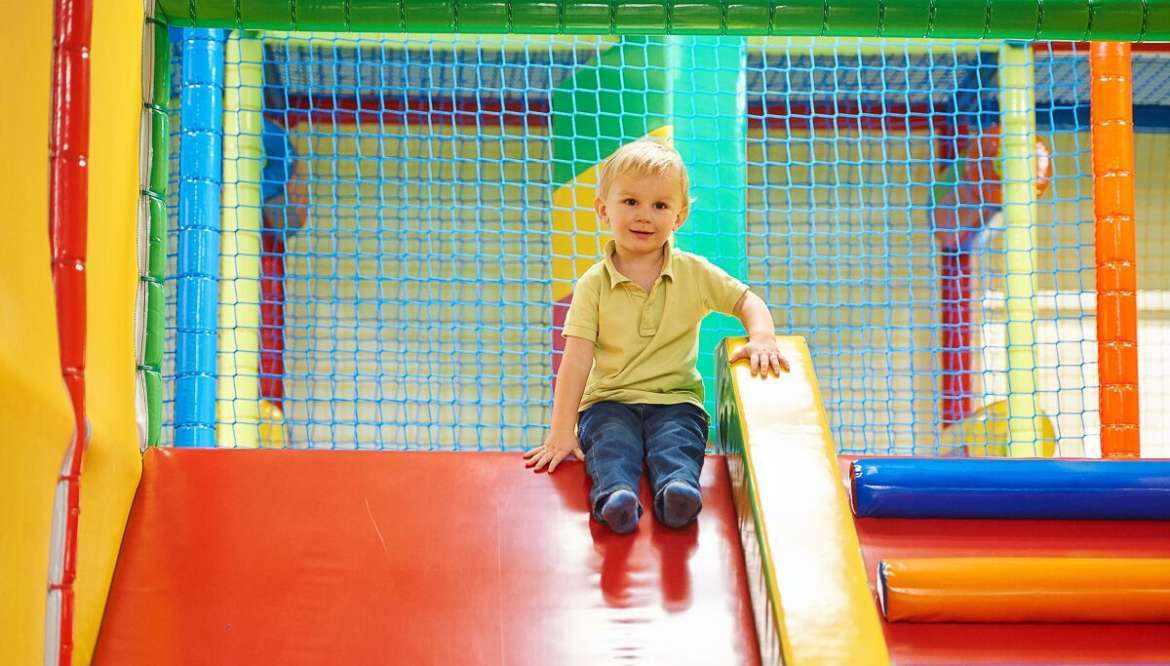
(682, 217)
(599, 207)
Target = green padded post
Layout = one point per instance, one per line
(710, 131)
(152, 275)
(1077, 20)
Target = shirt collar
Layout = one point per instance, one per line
(616, 277)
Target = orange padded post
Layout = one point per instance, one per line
(1026, 589)
(1113, 210)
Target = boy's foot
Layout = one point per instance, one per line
(681, 503)
(620, 511)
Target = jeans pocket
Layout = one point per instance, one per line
(703, 417)
(585, 428)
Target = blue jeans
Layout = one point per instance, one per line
(616, 437)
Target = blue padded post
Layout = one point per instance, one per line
(991, 488)
(200, 180)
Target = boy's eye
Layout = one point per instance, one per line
(661, 206)
(629, 202)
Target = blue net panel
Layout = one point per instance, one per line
(404, 248)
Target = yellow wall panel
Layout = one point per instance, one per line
(36, 420)
(112, 463)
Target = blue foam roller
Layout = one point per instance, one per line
(1007, 488)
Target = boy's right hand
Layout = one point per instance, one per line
(557, 446)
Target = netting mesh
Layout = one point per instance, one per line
(1153, 240)
(414, 312)
(415, 305)
(843, 159)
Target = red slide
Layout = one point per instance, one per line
(347, 557)
(352, 557)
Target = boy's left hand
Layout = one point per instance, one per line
(764, 356)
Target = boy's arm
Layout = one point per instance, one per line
(761, 348)
(562, 440)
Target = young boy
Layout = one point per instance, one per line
(627, 388)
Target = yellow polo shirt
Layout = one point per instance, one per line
(646, 345)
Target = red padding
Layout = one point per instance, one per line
(1025, 643)
(68, 229)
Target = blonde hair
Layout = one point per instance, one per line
(645, 157)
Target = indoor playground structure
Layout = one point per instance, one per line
(285, 281)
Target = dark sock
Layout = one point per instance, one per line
(621, 511)
(681, 503)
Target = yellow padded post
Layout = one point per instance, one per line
(238, 388)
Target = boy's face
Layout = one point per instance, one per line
(642, 212)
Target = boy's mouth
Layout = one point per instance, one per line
(643, 234)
